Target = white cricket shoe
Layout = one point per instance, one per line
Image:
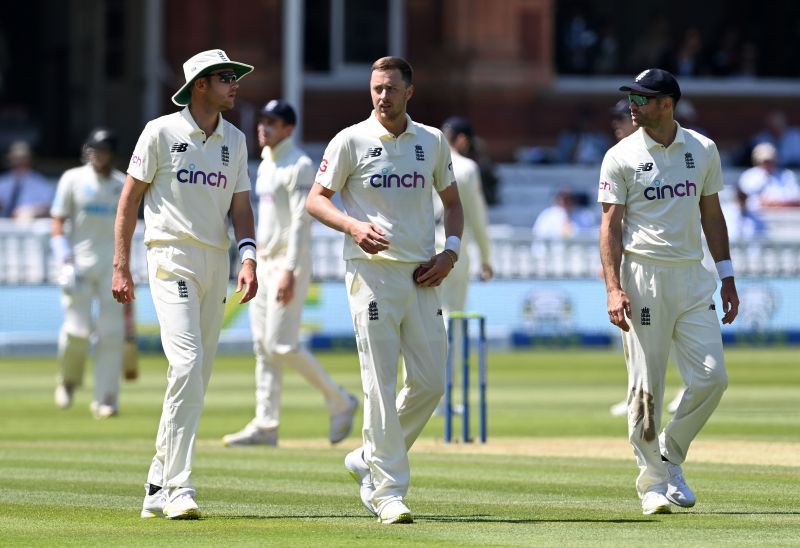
(63, 395)
(676, 401)
(252, 435)
(342, 423)
(678, 492)
(359, 471)
(619, 409)
(394, 511)
(153, 505)
(654, 502)
(182, 507)
(102, 411)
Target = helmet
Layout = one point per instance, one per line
(102, 137)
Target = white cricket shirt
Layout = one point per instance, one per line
(470, 190)
(192, 179)
(388, 181)
(89, 202)
(660, 188)
(285, 176)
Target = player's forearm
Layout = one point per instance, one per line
(322, 209)
(453, 219)
(611, 254)
(125, 222)
(475, 219)
(242, 216)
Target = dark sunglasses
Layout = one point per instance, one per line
(224, 77)
(642, 100)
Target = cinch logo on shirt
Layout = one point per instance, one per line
(407, 180)
(196, 177)
(662, 192)
(605, 185)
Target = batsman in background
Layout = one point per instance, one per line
(83, 211)
(283, 240)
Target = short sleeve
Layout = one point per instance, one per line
(713, 181)
(243, 175)
(336, 164)
(612, 188)
(144, 160)
(62, 203)
(443, 174)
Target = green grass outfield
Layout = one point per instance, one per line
(557, 469)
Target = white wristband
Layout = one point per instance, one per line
(724, 269)
(61, 248)
(247, 249)
(453, 243)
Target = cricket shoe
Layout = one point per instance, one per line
(102, 411)
(182, 507)
(678, 492)
(342, 423)
(63, 395)
(154, 501)
(394, 511)
(654, 502)
(359, 471)
(252, 435)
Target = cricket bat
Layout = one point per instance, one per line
(130, 351)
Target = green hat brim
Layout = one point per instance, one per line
(184, 95)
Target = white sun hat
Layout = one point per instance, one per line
(204, 63)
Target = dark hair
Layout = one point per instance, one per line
(391, 63)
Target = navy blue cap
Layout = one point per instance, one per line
(458, 124)
(654, 81)
(280, 109)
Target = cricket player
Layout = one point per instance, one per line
(658, 188)
(83, 212)
(387, 168)
(191, 169)
(283, 240)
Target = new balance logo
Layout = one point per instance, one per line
(419, 152)
(645, 316)
(226, 156)
(183, 291)
(372, 310)
(373, 152)
(689, 160)
(644, 167)
(179, 147)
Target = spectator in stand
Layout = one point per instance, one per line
(564, 220)
(688, 58)
(744, 224)
(767, 185)
(24, 193)
(580, 144)
(621, 123)
(785, 138)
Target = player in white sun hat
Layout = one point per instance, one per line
(387, 168)
(284, 275)
(83, 214)
(191, 169)
(658, 189)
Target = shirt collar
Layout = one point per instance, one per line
(194, 128)
(278, 151)
(377, 129)
(649, 142)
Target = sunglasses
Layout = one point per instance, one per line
(642, 100)
(224, 77)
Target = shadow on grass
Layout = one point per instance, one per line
(445, 519)
(742, 513)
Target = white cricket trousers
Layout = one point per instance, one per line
(670, 303)
(188, 284)
(276, 336)
(393, 316)
(108, 327)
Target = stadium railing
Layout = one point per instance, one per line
(25, 257)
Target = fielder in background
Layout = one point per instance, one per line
(83, 214)
(658, 188)
(283, 240)
(453, 289)
(387, 167)
(191, 169)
